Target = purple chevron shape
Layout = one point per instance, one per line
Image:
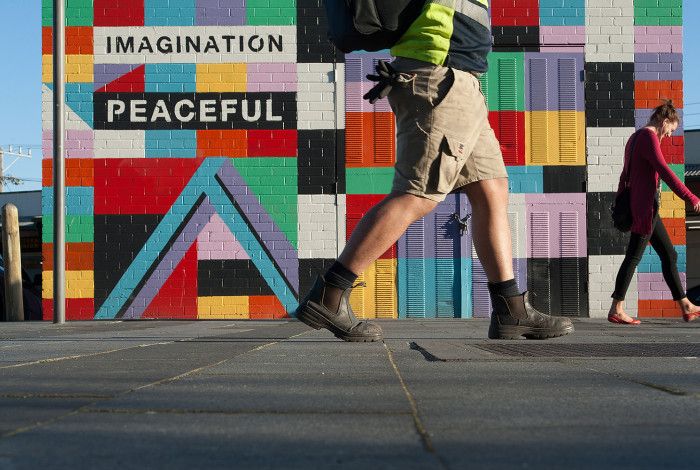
(281, 251)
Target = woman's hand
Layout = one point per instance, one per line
(696, 208)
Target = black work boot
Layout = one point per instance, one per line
(342, 323)
(515, 317)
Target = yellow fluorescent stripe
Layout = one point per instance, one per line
(79, 284)
(428, 38)
(223, 307)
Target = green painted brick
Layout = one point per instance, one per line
(79, 228)
(679, 170)
(369, 180)
(78, 13)
(271, 12)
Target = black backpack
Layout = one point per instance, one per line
(369, 25)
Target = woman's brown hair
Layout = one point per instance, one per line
(665, 111)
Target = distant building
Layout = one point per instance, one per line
(692, 148)
(28, 205)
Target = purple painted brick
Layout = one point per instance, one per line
(221, 12)
(79, 144)
(107, 73)
(652, 286)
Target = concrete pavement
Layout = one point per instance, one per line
(434, 394)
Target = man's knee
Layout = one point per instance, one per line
(409, 204)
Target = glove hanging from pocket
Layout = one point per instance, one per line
(387, 77)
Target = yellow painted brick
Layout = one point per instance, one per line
(79, 284)
(223, 307)
(221, 77)
(79, 68)
(671, 205)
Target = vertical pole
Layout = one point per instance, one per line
(12, 257)
(59, 190)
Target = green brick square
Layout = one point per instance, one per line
(272, 12)
(79, 228)
(679, 170)
(376, 180)
(78, 13)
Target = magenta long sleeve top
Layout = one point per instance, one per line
(648, 165)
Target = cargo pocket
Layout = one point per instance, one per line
(453, 155)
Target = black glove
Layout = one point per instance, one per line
(387, 78)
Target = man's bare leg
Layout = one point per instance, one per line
(381, 227)
(490, 227)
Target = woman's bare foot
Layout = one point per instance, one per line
(617, 314)
(689, 309)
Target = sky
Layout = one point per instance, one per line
(20, 81)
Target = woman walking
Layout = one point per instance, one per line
(647, 167)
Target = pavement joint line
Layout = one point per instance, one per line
(417, 422)
(184, 411)
(80, 356)
(87, 406)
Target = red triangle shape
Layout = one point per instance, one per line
(178, 296)
(134, 81)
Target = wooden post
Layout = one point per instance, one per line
(12, 255)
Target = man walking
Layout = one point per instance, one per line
(444, 144)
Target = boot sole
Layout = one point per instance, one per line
(310, 316)
(516, 332)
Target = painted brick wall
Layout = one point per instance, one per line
(219, 154)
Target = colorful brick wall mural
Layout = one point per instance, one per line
(219, 154)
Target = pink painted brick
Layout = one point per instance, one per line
(79, 144)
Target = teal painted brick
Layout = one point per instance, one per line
(170, 12)
(562, 12)
(525, 179)
(651, 263)
(176, 78)
(171, 144)
(80, 200)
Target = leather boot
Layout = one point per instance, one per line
(342, 323)
(515, 317)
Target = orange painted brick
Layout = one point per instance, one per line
(79, 256)
(656, 308)
(266, 306)
(78, 40)
(676, 230)
(222, 143)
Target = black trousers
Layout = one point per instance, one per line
(661, 243)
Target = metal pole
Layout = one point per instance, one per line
(59, 164)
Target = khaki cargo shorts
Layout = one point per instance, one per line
(443, 137)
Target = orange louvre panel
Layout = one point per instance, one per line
(384, 140)
(369, 140)
(355, 143)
